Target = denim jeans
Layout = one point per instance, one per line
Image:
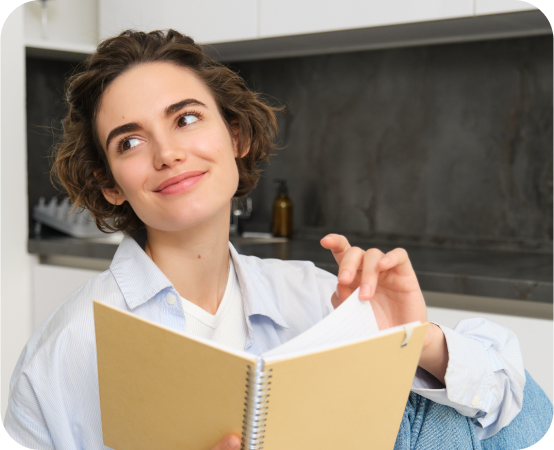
(427, 425)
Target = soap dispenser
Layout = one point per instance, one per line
(282, 212)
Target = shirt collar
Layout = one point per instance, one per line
(140, 280)
(257, 298)
(136, 274)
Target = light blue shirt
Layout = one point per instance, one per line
(54, 401)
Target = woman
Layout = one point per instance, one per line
(157, 141)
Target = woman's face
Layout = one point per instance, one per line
(169, 149)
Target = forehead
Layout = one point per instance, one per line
(146, 90)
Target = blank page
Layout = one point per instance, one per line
(351, 321)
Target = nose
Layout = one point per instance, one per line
(167, 152)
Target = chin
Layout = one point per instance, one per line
(186, 213)
(181, 221)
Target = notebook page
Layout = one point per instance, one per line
(351, 321)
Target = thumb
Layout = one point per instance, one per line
(230, 442)
(340, 295)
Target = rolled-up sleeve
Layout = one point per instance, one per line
(484, 378)
(26, 431)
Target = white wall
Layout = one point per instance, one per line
(15, 269)
(70, 24)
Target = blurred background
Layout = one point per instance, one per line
(424, 124)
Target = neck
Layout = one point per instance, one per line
(195, 260)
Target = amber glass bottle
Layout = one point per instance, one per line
(282, 212)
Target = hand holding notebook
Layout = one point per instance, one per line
(340, 384)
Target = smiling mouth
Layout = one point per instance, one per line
(179, 183)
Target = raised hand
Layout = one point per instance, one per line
(389, 282)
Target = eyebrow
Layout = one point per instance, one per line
(127, 128)
(135, 126)
(180, 105)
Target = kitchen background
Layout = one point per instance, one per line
(428, 127)
(443, 145)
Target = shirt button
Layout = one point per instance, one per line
(475, 400)
(171, 299)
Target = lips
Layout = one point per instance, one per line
(172, 183)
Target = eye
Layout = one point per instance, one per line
(186, 119)
(129, 143)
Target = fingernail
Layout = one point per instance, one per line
(365, 290)
(232, 442)
(385, 260)
(344, 275)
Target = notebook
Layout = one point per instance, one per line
(342, 384)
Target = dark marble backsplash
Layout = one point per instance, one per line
(437, 145)
(445, 145)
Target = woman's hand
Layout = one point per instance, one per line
(230, 442)
(389, 282)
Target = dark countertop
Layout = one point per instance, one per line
(486, 273)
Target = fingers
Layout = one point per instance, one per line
(370, 273)
(362, 268)
(397, 258)
(349, 265)
(376, 262)
(338, 245)
(230, 442)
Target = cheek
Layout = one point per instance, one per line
(207, 145)
(130, 176)
(218, 149)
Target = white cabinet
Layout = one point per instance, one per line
(500, 6)
(78, 25)
(534, 335)
(293, 17)
(205, 21)
(71, 25)
(218, 21)
(52, 285)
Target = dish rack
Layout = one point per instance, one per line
(80, 224)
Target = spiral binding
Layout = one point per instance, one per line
(255, 408)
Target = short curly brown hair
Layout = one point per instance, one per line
(79, 154)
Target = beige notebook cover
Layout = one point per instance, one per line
(160, 389)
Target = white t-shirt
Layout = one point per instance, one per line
(228, 325)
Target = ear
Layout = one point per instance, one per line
(114, 195)
(244, 153)
(235, 129)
